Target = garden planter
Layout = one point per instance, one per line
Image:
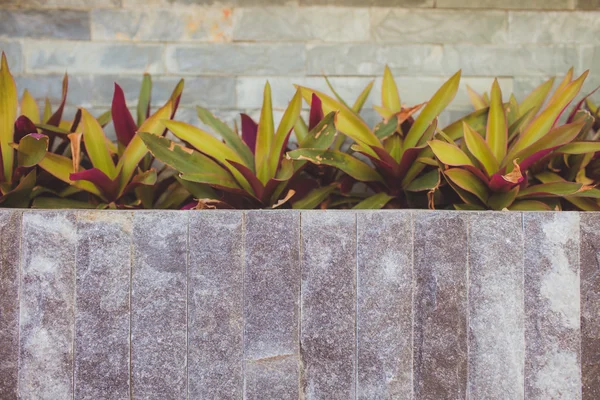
(288, 305)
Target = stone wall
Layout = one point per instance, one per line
(289, 305)
(226, 50)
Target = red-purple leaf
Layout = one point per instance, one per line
(578, 106)
(249, 132)
(408, 159)
(108, 187)
(23, 127)
(254, 182)
(125, 126)
(532, 159)
(316, 112)
(57, 116)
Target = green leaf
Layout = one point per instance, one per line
(469, 182)
(497, 131)
(529, 205)
(551, 189)
(476, 120)
(231, 138)
(389, 92)
(434, 107)
(345, 162)
(144, 99)
(322, 135)
(62, 167)
(556, 137)
(20, 196)
(29, 107)
(8, 114)
(290, 116)
(427, 181)
(579, 148)
(198, 190)
(449, 154)
(375, 202)
(502, 200)
(362, 98)
(60, 203)
(535, 100)
(314, 198)
(480, 149)
(386, 129)
(301, 130)
(476, 99)
(335, 93)
(264, 138)
(95, 145)
(31, 150)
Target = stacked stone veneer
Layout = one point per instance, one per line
(227, 49)
(299, 305)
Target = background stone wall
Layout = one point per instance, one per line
(226, 50)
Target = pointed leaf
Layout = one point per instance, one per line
(427, 181)
(314, 198)
(375, 202)
(264, 138)
(389, 92)
(29, 107)
(579, 148)
(529, 205)
(62, 167)
(501, 200)
(535, 100)
(322, 135)
(249, 132)
(551, 189)
(476, 99)
(469, 182)
(316, 112)
(57, 116)
(345, 162)
(143, 107)
(95, 145)
(480, 149)
(449, 154)
(290, 116)
(362, 98)
(109, 187)
(497, 130)
(8, 115)
(124, 124)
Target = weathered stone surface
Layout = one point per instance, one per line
(96, 58)
(328, 336)
(47, 299)
(10, 257)
(437, 26)
(215, 305)
(14, 55)
(202, 3)
(377, 3)
(552, 336)
(102, 305)
(301, 24)
(47, 24)
(588, 4)
(50, 86)
(203, 25)
(496, 315)
(440, 305)
(590, 305)
(272, 303)
(246, 58)
(384, 310)
(83, 4)
(507, 4)
(159, 305)
(574, 27)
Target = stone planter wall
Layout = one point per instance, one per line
(289, 305)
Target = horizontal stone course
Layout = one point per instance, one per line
(554, 27)
(45, 24)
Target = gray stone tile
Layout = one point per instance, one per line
(163, 25)
(274, 24)
(10, 262)
(384, 311)
(46, 24)
(215, 305)
(552, 328)
(588, 4)
(47, 300)
(102, 305)
(364, 3)
(496, 315)
(92, 58)
(328, 335)
(507, 4)
(14, 55)
(437, 26)
(590, 305)
(78, 4)
(234, 59)
(554, 27)
(272, 303)
(159, 305)
(440, 305)
(219, 3)
(80, 94)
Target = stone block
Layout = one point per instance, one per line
(496, 299)
(159, 305)
(437, 26)
(215, 305)
(440, 305)
(384, 310)
(554, 27)
(507, 4)
(274, 24)
(45, 24)
(14, 55)
(102, 317)
(236, 59)
(47, 298)
(328, 335)
(590, 305)
(552, 328)
(10, 263)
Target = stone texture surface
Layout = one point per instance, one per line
(234, 59)
(215, 305)
(10, 257)
(159, 305)
(495, 298)
(440, 305)
(574, 27)
(302, 24)
(272, 303)
(436, 26)
(384, 305)
(507, 4)
(47, 24)
(102, 331)
(590, 305)
(328, 324)
(552, 334)
(47, 314)
(588, 4)
(172, 25)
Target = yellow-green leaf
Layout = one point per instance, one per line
(535, 100)
(563, 84)
(480, 149)
(469, 182)
(288, 121)
(497, 130)
(95, 145)
(31, 150)
(264, 137)
(476, 99)
(29, 107)
(345, 162)
(362, 98)
(449, 154)
(390, 98)
(61, 168)
(501, 200)
(374, 202)
(8, 114)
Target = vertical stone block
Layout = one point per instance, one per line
(10, 257)
(158, 305)
(271, 304)
(384, 313)
(590, 305)
(328, 331)
(215, 305)
(440, 305)
(496, 315)
(102, 305)
(552, 336)
(47, 305)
